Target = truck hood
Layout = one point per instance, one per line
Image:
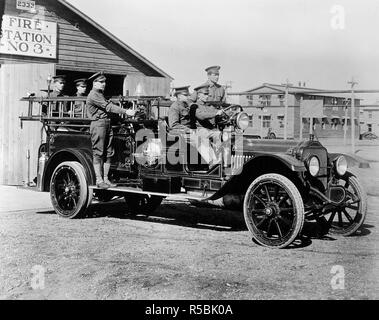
(249, 144)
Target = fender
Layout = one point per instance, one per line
(290, 161)
(283, 163)
(83, 156)
(352, 160)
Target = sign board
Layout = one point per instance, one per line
(28, 37)
(311, 108)
(26, 5)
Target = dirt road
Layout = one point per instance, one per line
(182, 252)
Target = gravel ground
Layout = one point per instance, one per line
(181, 252)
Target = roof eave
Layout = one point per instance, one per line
(260, 87)
(114, 38)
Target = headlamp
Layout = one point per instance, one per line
(341, 165)
(242, 121)
(313, 166)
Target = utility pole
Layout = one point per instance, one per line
(261, 107)
(352, 84)
(287, 84)
(228, 85)
(345, 122)
(301, 120)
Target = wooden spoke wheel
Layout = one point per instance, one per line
(349, 216)
(273, 210)
(69, 191)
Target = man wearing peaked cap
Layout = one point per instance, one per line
(213, 70)
(181, 90)
(61, 77)
(178, 114)
(205, 122)
(80, 82)
(81, 88)
(203, 88)
(216, 91)
(98, 76)
(101, 132)
(59, 82)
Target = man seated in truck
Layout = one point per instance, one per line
(206, 129)
(181, 120)
(178, 114)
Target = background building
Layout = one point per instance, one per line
(47, 37)
(266, 108)
(369, 119)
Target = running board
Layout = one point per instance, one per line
(182, 195)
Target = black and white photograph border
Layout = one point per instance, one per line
(100, 195)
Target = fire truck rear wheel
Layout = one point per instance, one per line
(69, 191)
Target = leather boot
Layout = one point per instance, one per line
(99, 179)
(107, 166)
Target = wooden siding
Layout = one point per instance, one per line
(81, 47)
(15, 81)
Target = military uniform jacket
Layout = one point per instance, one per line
(178, 116)
(78, 105)
(98, 108)
(56, 94)
(55, 106)
(205, 116)
(216, 93)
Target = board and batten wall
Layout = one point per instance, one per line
(15, 81)
(81, 47)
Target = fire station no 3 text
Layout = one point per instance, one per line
(25, 23)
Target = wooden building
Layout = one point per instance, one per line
(369, 119)
(47, 37)
(268, 102)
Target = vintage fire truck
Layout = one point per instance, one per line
(277, 185)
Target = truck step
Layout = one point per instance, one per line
(182, 195)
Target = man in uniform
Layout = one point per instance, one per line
(98, 110)
(81, 88)
(216, 91)
(178, 114)
(206, 126)
(59, 82)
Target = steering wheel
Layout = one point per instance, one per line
(233, 106)
(225, 117)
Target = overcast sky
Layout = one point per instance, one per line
(254, 41)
